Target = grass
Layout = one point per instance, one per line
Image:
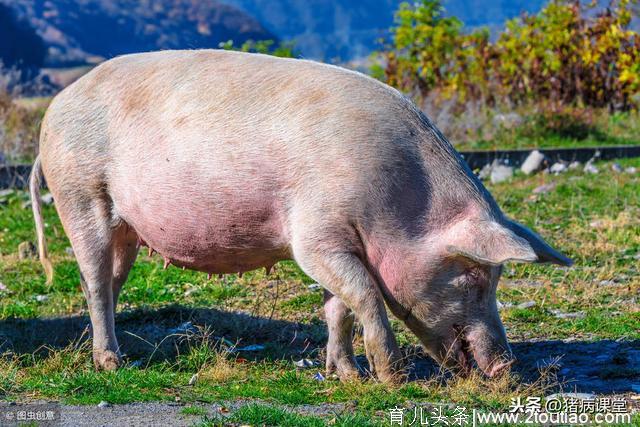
(175, 324)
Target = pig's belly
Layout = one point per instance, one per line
(212, 233)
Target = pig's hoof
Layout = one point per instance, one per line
(345, 367)
(390, 371)
(106, 360)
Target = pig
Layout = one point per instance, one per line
(225, 162)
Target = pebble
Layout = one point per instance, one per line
(533, 162)
(591, 168)
(500, 173)
(574, 165)
(42, 298)
(47, 198)
(68, 250)
(607, 283)
(574, 315)
(616, 168)
(104, 404)
(558, 168)
(304, 363)
(193, 380)
(314, 286)
(319, 377)
(631, 170)
(526, 304)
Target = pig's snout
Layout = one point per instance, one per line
(491, 353)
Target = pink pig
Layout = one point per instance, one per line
(226, 162)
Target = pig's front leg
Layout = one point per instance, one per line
(344, 275)
(340, 357)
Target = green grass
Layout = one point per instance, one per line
(593, 218)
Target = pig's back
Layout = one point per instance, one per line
(209, 151)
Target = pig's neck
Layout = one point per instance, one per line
(397, 266)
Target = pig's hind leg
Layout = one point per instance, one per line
(88, 220)
(333, 263)
(340, 319)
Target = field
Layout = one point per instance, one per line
(233, 341)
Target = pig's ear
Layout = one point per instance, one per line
(495, 243)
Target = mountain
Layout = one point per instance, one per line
(81, 31)
(29, 53)
(347, 29)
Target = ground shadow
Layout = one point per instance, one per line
(601, 366)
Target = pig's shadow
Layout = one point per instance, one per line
(600, 366)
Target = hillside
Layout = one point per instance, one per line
(80, 31)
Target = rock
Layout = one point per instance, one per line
(533, 162)
(318, 377)
(591, 168)
(42, 298)
(616, 168)
(526, 304)
(501, 173)
(544, 188)
(485, 172)
(304, 363)
(314, 286)
(575, 165)
(27, 250)
(47, 198)
(68, 250)
(193, 380)
(574, 315)
(631, 170)
(558, 168)
(104, 404)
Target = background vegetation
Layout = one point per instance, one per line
(563, 71)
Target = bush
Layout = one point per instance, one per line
(567, 54)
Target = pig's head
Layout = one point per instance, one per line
(449, 300)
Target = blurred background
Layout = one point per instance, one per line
(491, 73)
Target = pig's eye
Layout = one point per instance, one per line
(475, 277)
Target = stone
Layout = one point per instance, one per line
(47, 198)
(42, 298)
(558, 168)
(631, 170)
(591, 168)
(526, 304)
(500, 173)
(533, 162)
(193, 380)
(104, 404)
(575, 165)
(485, 172)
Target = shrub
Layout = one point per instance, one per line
(567, 53)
